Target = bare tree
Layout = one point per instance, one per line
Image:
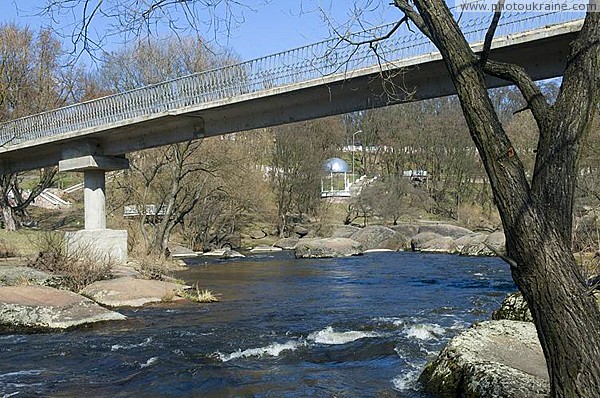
(98, 22)
(174, 179)
(31, 80)
(296, 168)
(537, 216)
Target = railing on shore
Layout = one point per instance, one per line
(302, 64)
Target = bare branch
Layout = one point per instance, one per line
(379, 38)
(413, 15)
(489, 36)
(536, 101)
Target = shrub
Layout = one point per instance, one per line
(78, 268)
(153, 267)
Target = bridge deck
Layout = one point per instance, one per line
(322, 79)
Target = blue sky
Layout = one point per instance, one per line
(270, 27)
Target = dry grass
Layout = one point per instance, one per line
(77, 269)
(201, 295)
(590, 263)
(152, 267)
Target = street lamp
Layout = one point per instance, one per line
(353, 147)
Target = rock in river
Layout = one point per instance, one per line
(131, 292)
(41, 308)
(417, 241)
(491, 359)
(445, 230)
(379, 237)
(513, 308)
(287, 243)
(444, 244)
(345, 231)
(328, 247)
(432, 242)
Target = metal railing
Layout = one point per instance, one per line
(302, 64)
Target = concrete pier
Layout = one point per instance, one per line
(94, 199)
(96, 240)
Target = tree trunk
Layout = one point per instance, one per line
(537, 220)
(10, 223)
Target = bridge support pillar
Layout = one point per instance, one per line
(94, 199)
(105, 244)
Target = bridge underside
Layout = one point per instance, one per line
(424, 79)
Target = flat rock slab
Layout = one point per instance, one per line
(131, 292)
(265, 249)
(16, 276)
(40, 308)
(491, 359)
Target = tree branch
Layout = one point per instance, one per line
(489, 36)
(379, 38)
(413, 15)
(536, 101)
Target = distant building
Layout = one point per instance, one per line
(416, 175)
(334, 181)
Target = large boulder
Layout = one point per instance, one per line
(445, 244)
(345, 231)
(257, 234)
(42, 308)
(491, 359)
(379, 237)
(131, 292)
(417, 241)
(406, 229)
(497, 242)
(287, 243)
(300, 230)
(327, 247)
(513, 308)
(445, 230)
(473, 245)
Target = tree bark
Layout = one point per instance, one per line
(537, 219)
(10, 223)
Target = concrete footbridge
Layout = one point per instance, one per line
(327, 78)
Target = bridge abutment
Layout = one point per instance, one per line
(105, 244)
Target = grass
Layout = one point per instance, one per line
(21, 243)
(200, 295)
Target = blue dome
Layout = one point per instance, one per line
(336, 165)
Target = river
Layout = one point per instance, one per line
(352, 327)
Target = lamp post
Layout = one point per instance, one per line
(353, 147)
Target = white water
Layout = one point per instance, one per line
(407, 381)
(425, 331)
(329, 336)
(272, 350)
(144, 343)
(33, 372)
(149, 362)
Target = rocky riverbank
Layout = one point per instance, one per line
(33, 301)
(491, 359)
(498, 358)
(427, 238)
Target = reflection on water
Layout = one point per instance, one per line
(356, 327)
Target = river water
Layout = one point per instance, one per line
(353, 327)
